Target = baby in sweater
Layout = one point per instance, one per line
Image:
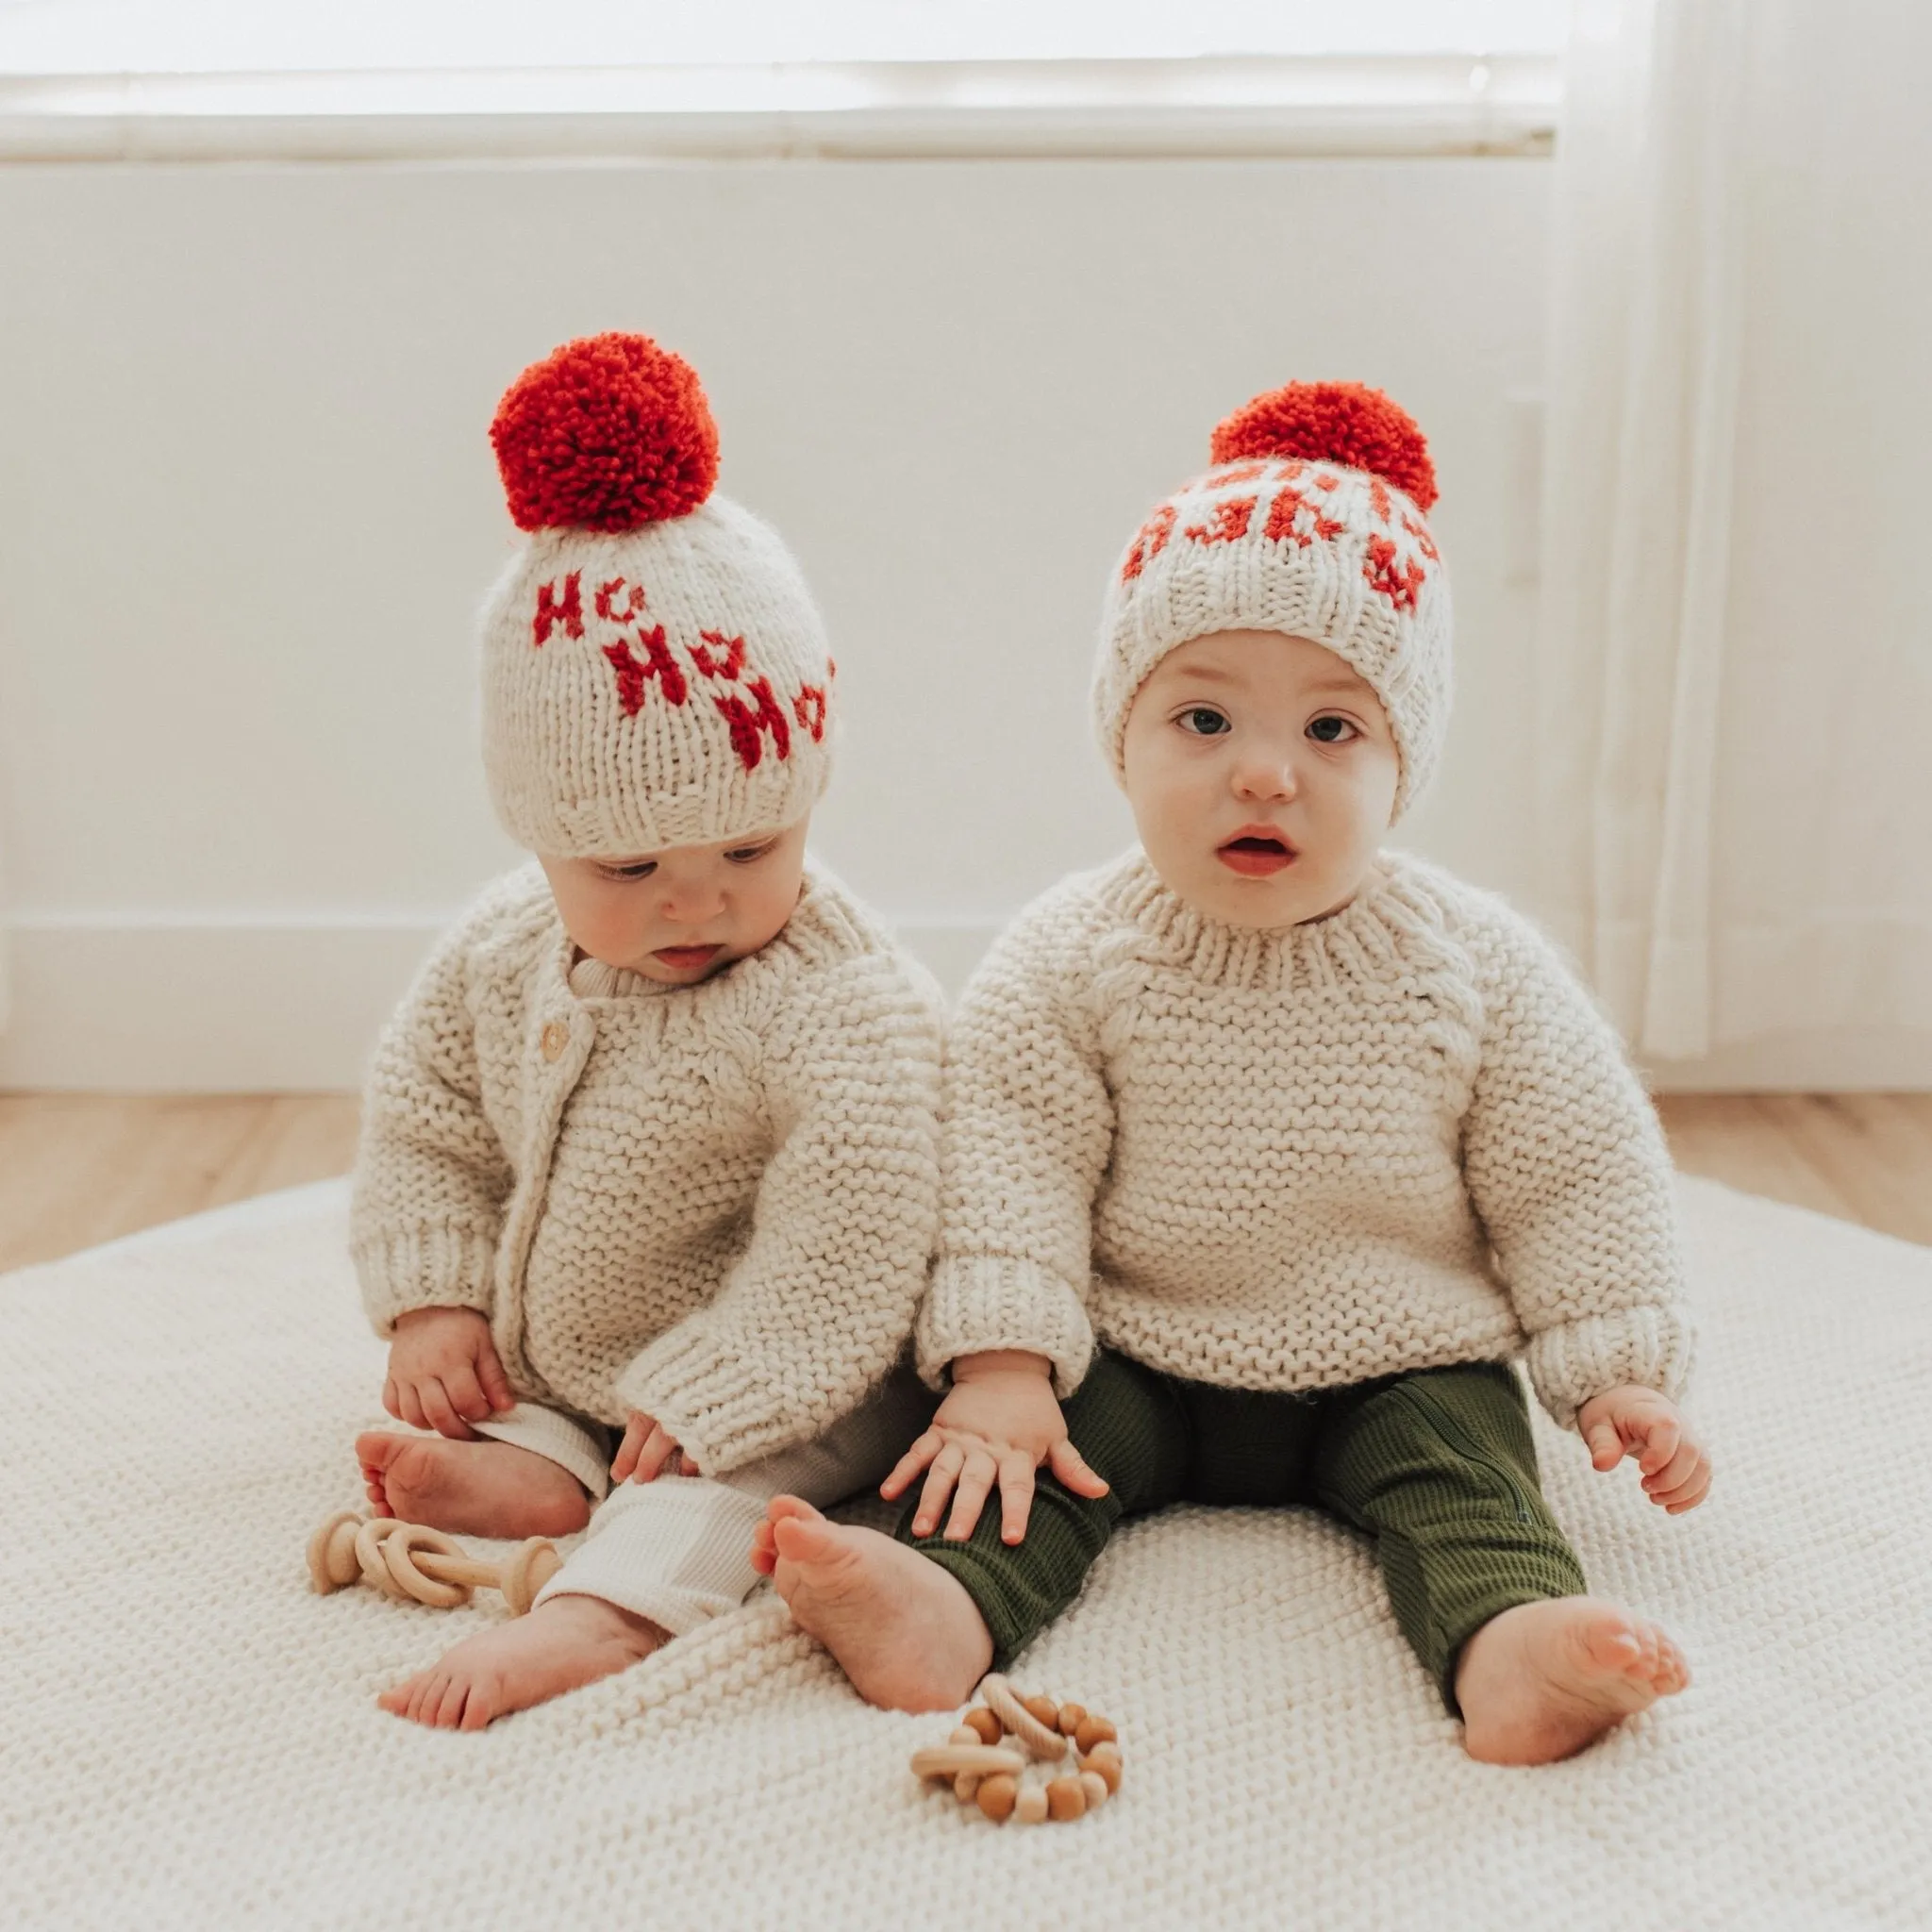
(649, 1152)
(1267, 1149)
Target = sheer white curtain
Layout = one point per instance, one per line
(1735, 666)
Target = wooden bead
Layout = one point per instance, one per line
(1030, 1807)
(1104, 1765)
(1094, 1731)
(1046, 1709)
(949, 1760)
(965, 1786)
(983, 1725)
(965, 1734)
(1065, 1800)
(998, 1794)
(1069, 1718)
(1097, 1789)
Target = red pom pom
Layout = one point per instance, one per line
(1343, 423)
(607, 433)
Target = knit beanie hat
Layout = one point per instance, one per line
(654, 672)
(1310, 523)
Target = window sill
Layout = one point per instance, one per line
(1357, 107)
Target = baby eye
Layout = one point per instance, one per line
(1329, 730)
(1203, 721)
(747, 855)
(642, 869)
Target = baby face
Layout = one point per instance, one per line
(680, 915)
(1262, 774)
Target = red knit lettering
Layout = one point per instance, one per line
(657, 662)
(748, 725)
(1150, 540)
(1398, 585)
(1420, 532)
(552, 610)
(734, 655)
(633, 601)
(809, 707)
(1230, 522)
(1282, 513)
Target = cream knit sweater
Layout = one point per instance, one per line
(715, 1203)
(1397, 1137)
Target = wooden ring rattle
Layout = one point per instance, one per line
(984, 1769)
(414, 1563)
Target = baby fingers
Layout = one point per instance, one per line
(1074, 1470)
(909, 1465)
(1689, 1493)
(940, 1479)
(1016, 1494)
(1673, 1475)
(976, 1476)
(1660, 1445)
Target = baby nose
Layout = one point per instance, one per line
(1265, 776)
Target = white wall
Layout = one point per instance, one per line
(247, 504)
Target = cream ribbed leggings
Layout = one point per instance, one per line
(678, 1550)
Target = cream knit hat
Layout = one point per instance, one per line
(1310, 523)
(654, 672)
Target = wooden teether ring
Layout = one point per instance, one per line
(530, 1567)
(993, 1775)
(399, 1550)
(332, 1563)
(1039, 1740)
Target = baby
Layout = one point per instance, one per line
(1267, 1149)
(650, 1148)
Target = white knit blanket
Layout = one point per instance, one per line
(189, 1738)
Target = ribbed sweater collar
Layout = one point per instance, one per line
(1393, 926)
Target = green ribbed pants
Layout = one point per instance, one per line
(1438, 1466)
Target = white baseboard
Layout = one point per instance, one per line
(212, 1006)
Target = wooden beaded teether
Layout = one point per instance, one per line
(411, 1562)
(984, 1769)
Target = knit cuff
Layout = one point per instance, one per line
(980, 1302)
(712, 1401)
(1650, 1347)
(430, 1267)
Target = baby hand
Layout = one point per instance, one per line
(998, 1423)
(1632, 1420)
(648, 1451)
(443, 1373)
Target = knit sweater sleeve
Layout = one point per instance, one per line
(1028, 1128)
(818, 1307)
(431, 1177)
(1567, 1168)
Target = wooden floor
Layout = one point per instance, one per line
(77, 1169)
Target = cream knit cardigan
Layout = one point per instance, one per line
(714, 1204)
(1397, 1137)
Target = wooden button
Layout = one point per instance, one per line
(555, 1038)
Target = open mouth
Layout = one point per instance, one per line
(682, 959)
(1256, 852)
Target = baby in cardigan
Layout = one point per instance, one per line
(1266, 1149)
(649, 1152)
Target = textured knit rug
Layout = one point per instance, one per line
(189, 1738)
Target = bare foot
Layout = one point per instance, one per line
(563, 1642)
(1542, 1680)
(903, 1630)
(470, 1489)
